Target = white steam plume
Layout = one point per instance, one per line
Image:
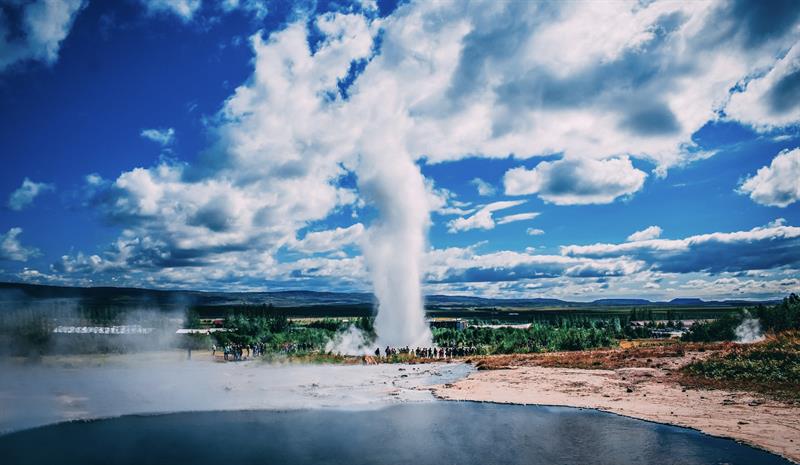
(749, 330)
(352, 341)
(395, 243)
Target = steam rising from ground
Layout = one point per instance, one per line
(749, 330)
(352, 341)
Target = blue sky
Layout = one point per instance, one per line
(576, 150)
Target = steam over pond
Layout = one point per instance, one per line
(84, 387)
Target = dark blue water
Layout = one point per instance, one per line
(438, 433)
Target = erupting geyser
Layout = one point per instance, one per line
(395, 244)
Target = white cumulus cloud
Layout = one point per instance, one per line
(576, 181)
(772, 100)
(776, 185)
(275, 167)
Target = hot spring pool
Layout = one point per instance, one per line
(421, 433)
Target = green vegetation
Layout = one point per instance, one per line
(775, 318)
(723, 329)
(772, 367)
(279, 334)
(566, 334)
(781, 317)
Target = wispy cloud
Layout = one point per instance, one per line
(12, 249)
(517, 217)
(484, 188)
(43, 26)
(183, 9)
(26, 193)
(483, 218)
(163, 137)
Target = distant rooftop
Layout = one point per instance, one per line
(124, 329)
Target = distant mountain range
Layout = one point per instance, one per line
(16, 293)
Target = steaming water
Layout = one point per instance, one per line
(93, 387)
(437, 433)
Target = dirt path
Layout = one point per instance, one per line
(648, 393)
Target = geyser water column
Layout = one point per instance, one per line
(395, 243)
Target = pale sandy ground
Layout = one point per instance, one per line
(747, 418)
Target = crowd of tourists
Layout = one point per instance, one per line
(292, 347)
(239, 352)
(427, 352)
